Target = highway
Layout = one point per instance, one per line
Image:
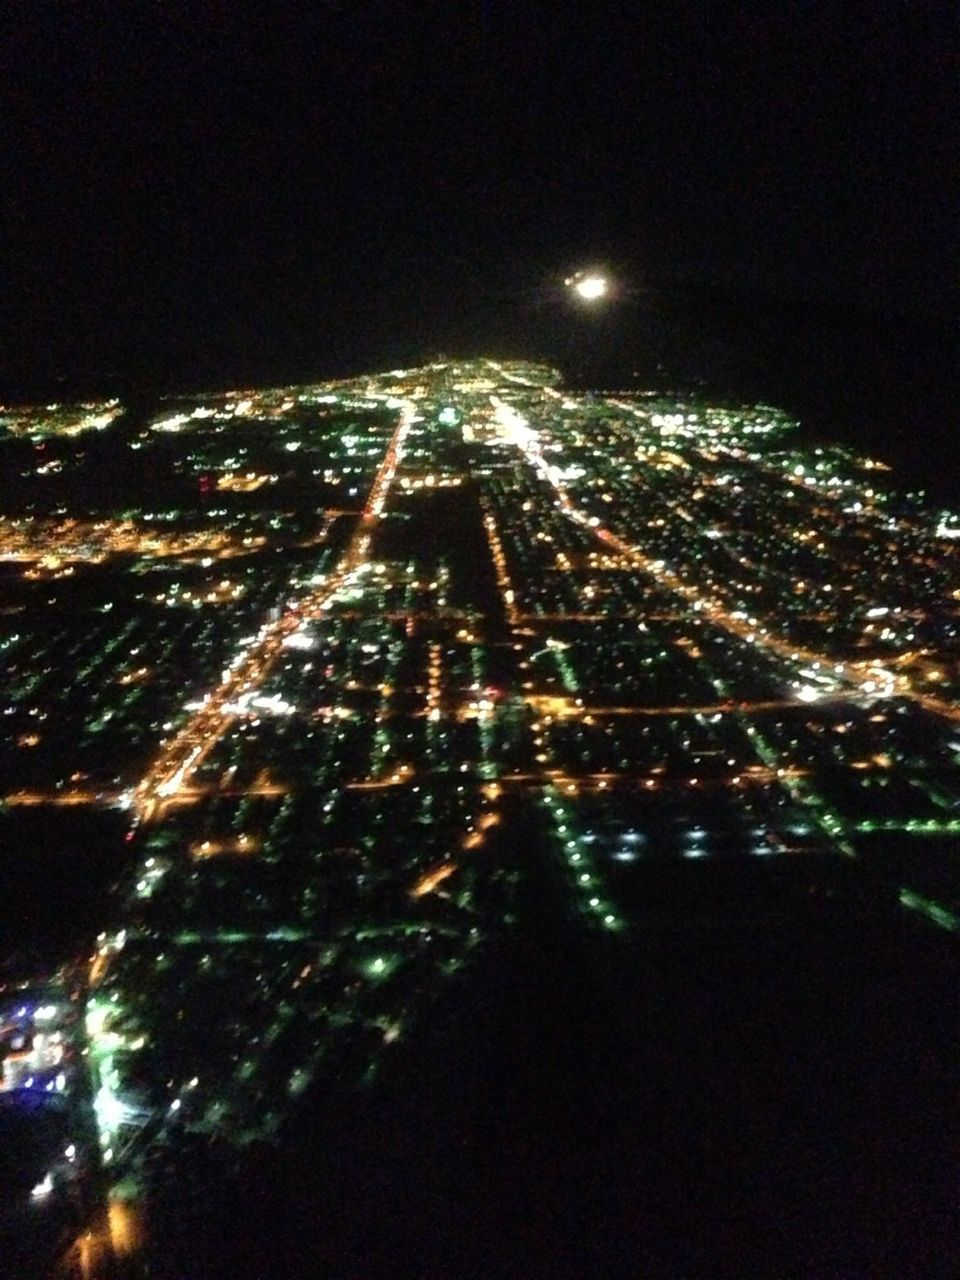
(183, 755)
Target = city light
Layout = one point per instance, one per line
(479, 636)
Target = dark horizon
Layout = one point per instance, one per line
(872, 378)
(192, 196)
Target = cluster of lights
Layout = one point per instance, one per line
(620, 514)
(60, 419)
(576, 854)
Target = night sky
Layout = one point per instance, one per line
(203, 193)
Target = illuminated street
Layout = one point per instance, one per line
(359, 662)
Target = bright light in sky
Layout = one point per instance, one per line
(591, 287)
(588, 285)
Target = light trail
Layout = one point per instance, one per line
(498, 555)
(432, 879)
(559, 707)
(750, 776)
(66, 799)
(183, 755)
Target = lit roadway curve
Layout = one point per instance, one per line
(183, 754)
